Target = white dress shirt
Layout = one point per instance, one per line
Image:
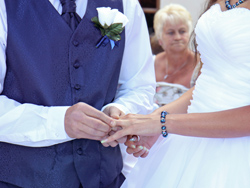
(37, 126)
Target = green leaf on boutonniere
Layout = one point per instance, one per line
(115, 37)
(96, 21)
(112, 31)
(116, 28)
(102, 31)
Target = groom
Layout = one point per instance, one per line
(54, 81)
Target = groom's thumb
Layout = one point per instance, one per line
(115, 112)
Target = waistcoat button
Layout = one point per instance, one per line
(75, 43)
(79, 151)
(76, 65)
(77, 87)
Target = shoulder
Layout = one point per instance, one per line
(160, 56)
(3, 18)
(2, 8)
(132, 3)
(132, 7)
(160, 61)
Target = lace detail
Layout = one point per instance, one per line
(168, 92)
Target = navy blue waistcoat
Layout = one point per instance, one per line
(48, 64)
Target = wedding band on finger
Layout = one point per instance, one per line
(135, 138)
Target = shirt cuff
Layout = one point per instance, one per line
(56, 128)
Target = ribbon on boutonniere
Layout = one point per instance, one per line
(111, 23)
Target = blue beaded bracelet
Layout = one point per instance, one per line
(163, 127)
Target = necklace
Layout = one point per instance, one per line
(179, 68)
(229, 6)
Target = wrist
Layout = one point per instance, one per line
(154, 122)
(157, 112)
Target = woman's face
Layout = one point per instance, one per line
(175, 37)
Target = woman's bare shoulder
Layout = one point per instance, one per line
(160, 58)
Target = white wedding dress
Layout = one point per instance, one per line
(191, 162)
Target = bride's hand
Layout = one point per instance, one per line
(136, 124)
(142, 147)
(115, 113)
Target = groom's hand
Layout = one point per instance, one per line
(84, 121)
(114, 113)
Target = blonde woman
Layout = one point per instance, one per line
(174, 67)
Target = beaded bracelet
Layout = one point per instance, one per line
(163, 127)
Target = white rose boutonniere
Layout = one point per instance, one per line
(111, 23)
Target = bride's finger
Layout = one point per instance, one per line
(122, 123)
(139, 151)
(134, 150)
(120, 140)
(112, 144)
(116, 136)
(145, 154)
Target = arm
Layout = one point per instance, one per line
(17, 120)
(36, 125)
(140, 148)
(17, 124)
(137, 80)
(223, 124)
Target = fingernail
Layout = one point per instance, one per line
(146, 149)
(133, 146)
(141, 147)
(115, 116)
(132, 139)
(104, 141)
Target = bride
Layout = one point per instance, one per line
(203, 138)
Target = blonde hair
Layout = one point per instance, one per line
(173, 13)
